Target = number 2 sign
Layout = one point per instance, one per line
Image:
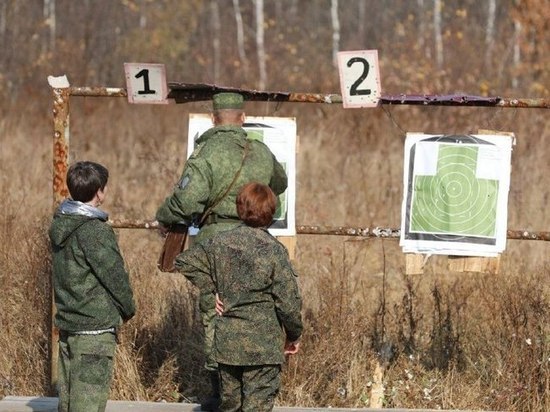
(359, 78)
(146, 83)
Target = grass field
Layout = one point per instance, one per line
(449, 340)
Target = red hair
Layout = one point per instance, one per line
(256, 204)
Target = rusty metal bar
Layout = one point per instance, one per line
(525, 103)
(133, 224)
(61, 133)
(364, 232)
(465, 100)
(526, 235)
(349, 231)
(193, 92)
(98, 91)
(60, 143)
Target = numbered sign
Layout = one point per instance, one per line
(146, 83)
(359, 78)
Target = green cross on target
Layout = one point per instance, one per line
(455, 200)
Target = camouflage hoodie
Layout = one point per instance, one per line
(91, 286)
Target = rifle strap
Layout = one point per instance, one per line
(226, 191)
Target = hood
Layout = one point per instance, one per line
(69, 216)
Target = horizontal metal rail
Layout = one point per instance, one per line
(364, 232)
(195, 92)
(97, 91)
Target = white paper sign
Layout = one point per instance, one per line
(359, 78)
(146, 83)
(279, 134)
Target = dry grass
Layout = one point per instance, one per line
(449, 340)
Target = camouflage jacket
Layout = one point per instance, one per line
(210, 170)
(91, 286)
(252, 273)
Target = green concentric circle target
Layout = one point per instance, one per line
(454, 200)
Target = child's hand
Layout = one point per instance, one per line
(291, 348)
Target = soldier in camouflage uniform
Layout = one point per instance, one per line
(92, 291)
(260, 318)
(219, 156)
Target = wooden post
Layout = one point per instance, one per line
(377, 390)
(290, 244)
(414, 263)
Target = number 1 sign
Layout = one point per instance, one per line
(359, 78)
(146, 83)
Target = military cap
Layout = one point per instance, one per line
(227, 101)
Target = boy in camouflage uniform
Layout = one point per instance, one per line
(209, 171)
(92, 291)
(259, 302)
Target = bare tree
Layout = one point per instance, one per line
(490, 32)
(216, 38)
(517, 52)
(437, 34)
(240, 37)
(260, 43)
(49, 18)
(3, 22)
(422, 46)
(335, 30)
(293, 10)
(361, 19)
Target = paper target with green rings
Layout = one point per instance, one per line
(456, 189)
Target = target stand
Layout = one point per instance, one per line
(415, 262)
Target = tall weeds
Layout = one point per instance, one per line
(444, 339)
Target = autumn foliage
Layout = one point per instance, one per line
(444, 339)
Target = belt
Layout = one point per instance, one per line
(214, 218)
(91, 332)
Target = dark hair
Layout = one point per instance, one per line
(256, 204)
(84, 179)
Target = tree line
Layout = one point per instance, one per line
(435, 46)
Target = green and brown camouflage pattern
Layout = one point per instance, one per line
(210, 170)
(224, 101)
(249, 388)
(91, 285)
(85, 369)
(252, 273)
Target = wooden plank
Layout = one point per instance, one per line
(290, 243)
(414, 263)
(489, 265)
(377, 390)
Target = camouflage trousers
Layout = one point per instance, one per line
(85, 369)
(249, 388)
